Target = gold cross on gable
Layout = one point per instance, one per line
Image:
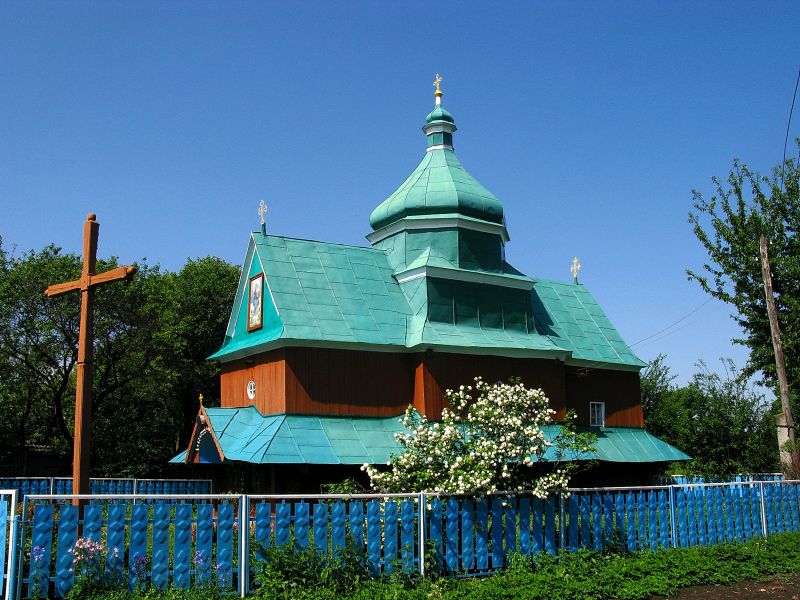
(437, 82)
(86, 285)
(576, 266)
(262, 211)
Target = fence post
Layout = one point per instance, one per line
(672, 516)
(20, 543)
(244, 545)
(421, 534)
(12, 547)
(763, 510)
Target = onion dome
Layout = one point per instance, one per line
(439, 185)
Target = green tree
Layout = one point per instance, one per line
(745, 206)
(193, 327)
(720, 421)
(152, 336)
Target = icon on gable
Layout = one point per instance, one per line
(255, 302)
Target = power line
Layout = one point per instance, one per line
(603, 364)
(788, 126)
(671, 325)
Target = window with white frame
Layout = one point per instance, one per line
(597, 414)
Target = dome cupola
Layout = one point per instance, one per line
(439, 185)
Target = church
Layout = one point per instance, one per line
(327, 343)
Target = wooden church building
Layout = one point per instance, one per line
(327, 343)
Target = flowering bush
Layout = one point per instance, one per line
(87, 565)
(489, 439)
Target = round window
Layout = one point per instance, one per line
(251, 389)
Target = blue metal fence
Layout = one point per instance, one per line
(190, 540)
(63, 485)
(742, 477)
(160, 541)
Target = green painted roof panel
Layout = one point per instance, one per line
(317, 291)
(438, 185)
(245, 435)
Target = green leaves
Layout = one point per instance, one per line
(152, 336)
(745, 206)
(720, 421)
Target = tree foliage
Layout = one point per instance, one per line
(720, 422)
(489, 439)
(745, 206)
(152, 336)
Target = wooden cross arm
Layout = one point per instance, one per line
(112, 275)
(60, 289)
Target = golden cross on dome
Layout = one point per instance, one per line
(262, 211)
(437, 82)
(576, 266)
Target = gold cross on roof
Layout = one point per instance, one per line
(576, 266)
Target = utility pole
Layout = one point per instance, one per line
(780, 367)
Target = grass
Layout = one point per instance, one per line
(581, 575)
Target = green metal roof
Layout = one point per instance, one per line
(439, 184)
(571, 317)
(439, 113)
(333, 294)
(319, 292)
(436, 278)
(245, 435)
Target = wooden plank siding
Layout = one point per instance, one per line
(618, 389)
(441, 371)
(326, 381)
(268, 370)
(348, 382)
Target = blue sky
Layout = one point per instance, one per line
(592, 122)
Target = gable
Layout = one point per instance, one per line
(237, 336)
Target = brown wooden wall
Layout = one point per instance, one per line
(437, 372)
(322, 381)
(618, 389)
(348, 382)
(268, 370)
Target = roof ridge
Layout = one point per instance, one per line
(267, 446)
(297, 239)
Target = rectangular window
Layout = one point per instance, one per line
(597, 414)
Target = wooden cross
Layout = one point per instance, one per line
(83, 386)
